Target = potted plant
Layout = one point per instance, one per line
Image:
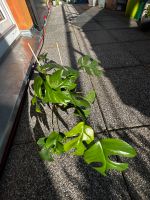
(143, 15)
(146, 13)
(56, 2)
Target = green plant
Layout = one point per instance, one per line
(57, 2)
(80, 141)
(147, 11)
(57, 85)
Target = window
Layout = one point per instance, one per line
(2, 17)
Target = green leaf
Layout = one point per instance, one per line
(34, 100)
(82, 106)
(45, 154)
(41, 69)
(82, 133)
(68, 84)
(37, 108)
(59, 148)
(56, 96)
(41, 141)
(52, 139)
(54, 65)
(75, 144)
(79, 101)
(80, 148)
(71, 73)
(102, 150)
(95, 154)
(43, 57)
(76, 130)
(86, 112)
(90, 96)
(88, 134)
(71, 144)
(113, 146)
(54, 80)
(84, 60)
(82, 112)
(37, 86)
(51, 145)
(91, 66)
(59, 86)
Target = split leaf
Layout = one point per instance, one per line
(81, 133)
(101, 151)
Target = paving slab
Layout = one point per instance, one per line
(69, 55)
(97, 37)
(61, 28)
(27, 177)
(95, 119)
(83, 18)
(63, 119)
(57, 17)
(110, 53)
(124, 97)
(78, 8)
(138, 175)
(103, 17)
(62, 38)
(129, 35)
(140, 50)
(58, 21)
(69, 10)
(90, 26)
(92, 11)
(56, 12)
(113, 55)
(115, 25)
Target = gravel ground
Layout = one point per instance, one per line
(121, 110)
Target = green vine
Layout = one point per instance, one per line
(80, 141)
(57, 85)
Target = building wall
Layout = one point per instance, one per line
(20, 13)
(9, 31)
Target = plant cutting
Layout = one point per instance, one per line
(56, 85)
(80, 141)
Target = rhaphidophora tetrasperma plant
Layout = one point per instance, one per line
(57, 85)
